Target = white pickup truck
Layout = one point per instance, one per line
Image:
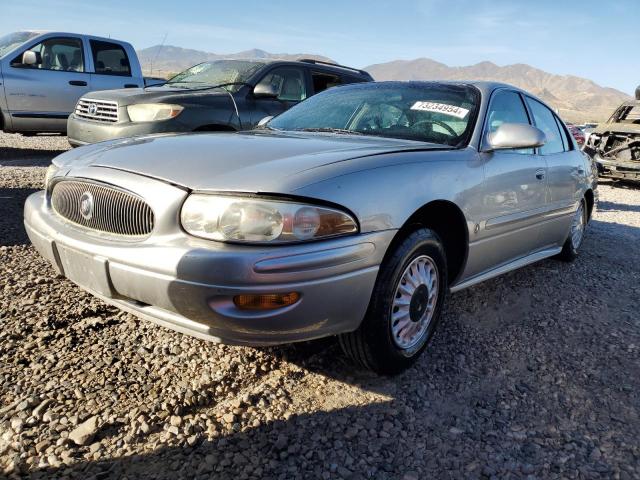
(43, 74)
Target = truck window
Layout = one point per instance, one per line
(110, 59)
(61, 54)
(288, 82)
(322, 81)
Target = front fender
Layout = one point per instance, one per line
(384, 196)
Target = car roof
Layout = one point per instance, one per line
(53, 33)
(316, 64)
(485, 87)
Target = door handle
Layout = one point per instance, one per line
(131, 85)
(78, 83)
(540, 174)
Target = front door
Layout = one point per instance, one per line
(40, 97)
(515, 191)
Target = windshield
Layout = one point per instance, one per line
(436, 113)
(13, 40)
(220, 72)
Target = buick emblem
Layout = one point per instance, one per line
(86, 205)
(93, 109)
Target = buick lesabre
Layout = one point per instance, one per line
(353, 214)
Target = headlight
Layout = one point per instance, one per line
(51, 172)
(245, 219)
(153, 112)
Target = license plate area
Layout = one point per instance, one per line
(88, 271)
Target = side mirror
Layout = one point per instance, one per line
(514, 136)
(264, 121)
(30, 58)
(265, 90)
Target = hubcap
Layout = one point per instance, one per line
(414, 302)
(577, 227)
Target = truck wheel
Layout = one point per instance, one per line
(405, 306)
(578, 225)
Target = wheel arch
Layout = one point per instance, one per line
(448, 221)
(589, 197)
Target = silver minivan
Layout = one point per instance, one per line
(42, 76)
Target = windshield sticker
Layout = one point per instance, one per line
(443, 108)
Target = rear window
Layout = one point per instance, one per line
(110, 59)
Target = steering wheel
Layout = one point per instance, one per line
(449, 130)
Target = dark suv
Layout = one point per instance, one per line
(222, 95)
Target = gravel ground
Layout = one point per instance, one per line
(535, 374)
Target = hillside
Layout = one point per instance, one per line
(168, 59)
(576, 99)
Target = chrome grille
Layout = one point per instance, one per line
(112, 210)
(98, 110)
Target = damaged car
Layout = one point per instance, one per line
(615, 145)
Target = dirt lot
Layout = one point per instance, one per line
(535, 374)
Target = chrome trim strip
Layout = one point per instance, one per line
(521, 262)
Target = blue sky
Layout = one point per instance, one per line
(564, 37)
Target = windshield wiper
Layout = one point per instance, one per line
(220, 85)
(329, 130)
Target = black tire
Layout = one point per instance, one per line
(372, 345)
(570, 250)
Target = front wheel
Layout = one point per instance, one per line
(405, 306)
(576, 235)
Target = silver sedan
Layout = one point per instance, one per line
(352, 214)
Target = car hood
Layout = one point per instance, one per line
(130, 96)
(248, 161)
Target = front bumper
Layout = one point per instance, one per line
(84, 132)
(616, 169)
(188, 284)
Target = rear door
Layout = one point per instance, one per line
(565, 170)
(514, 196)
(111, 66)
(40, 97)
(292, 85)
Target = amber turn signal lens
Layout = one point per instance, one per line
(265, 302)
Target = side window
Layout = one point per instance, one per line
(564, 135)
(288, 82)
(507, 107)
(110, 59)
(61, 54)
(322, 81)
(545, 120)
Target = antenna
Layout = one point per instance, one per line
(158, 52)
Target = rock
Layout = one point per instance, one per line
(281, 443)
(229, 417)
(84, 432)
(40, 409)
(175, 421)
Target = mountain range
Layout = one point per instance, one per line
(575, 99)
(165, 60)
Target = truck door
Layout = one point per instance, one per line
(40, 96)
(111, 67)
